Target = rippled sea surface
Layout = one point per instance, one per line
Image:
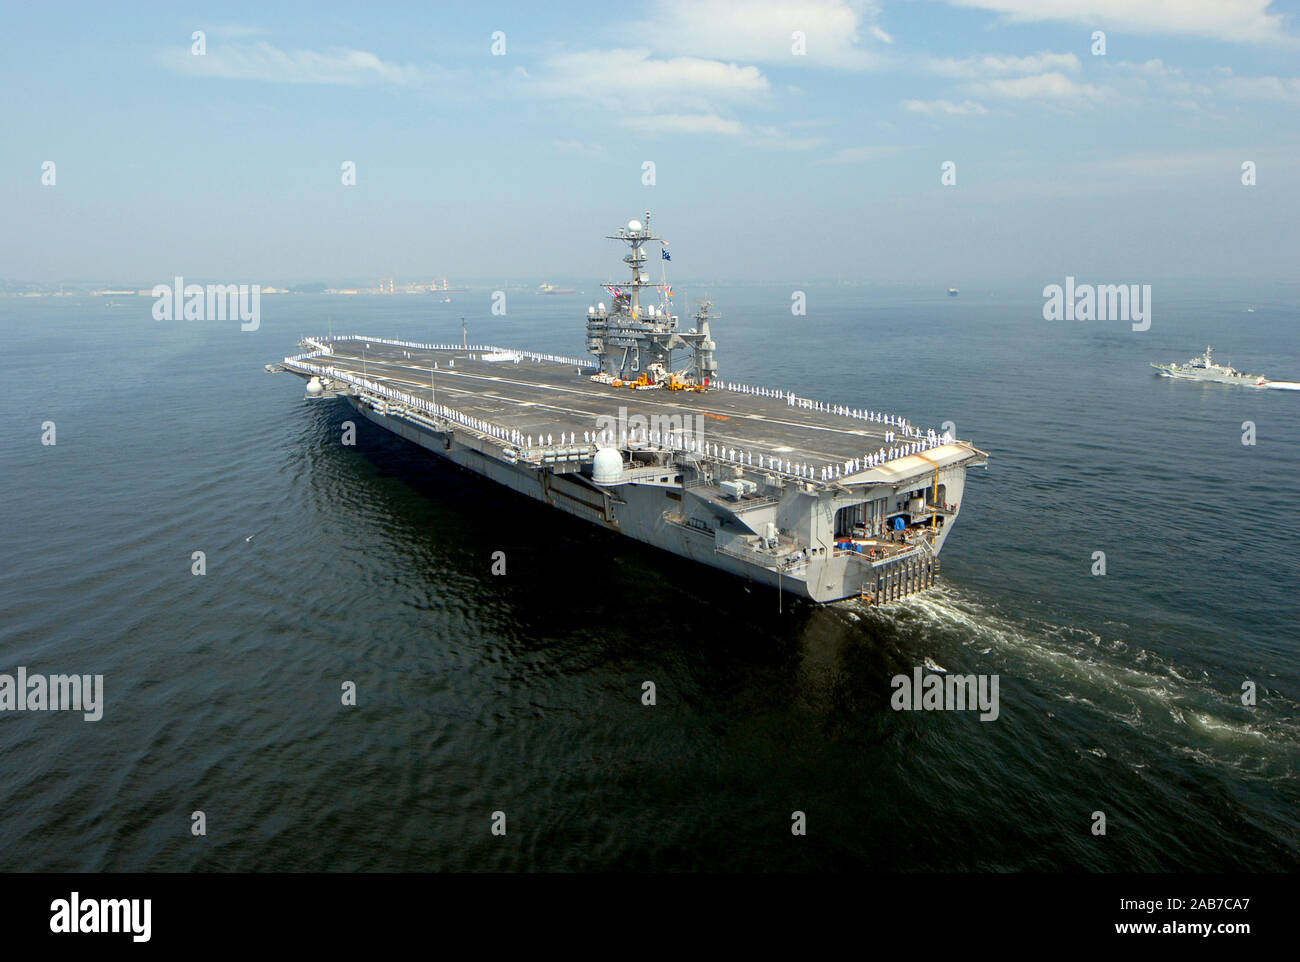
(522, 694)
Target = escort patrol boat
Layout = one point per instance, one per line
(1205, 368)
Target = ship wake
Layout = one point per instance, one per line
(1109, 673)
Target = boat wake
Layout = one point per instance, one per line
(1110, 673)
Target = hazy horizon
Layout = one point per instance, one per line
(789, 140)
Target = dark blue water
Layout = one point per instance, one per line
(326, 563)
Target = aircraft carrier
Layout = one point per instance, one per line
(828, 501)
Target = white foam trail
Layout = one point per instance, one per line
(1283, 385)
(1076, 665)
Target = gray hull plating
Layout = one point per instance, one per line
(649, 513)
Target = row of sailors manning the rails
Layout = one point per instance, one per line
(827, 472)
(914, 442)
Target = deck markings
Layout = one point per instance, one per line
(547, 405)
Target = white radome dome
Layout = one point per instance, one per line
(315, 388)
(607, 467)
(634, 225)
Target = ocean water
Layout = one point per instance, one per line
(521, 694)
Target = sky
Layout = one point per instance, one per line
(790, 141)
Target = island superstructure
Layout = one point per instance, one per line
(826, 500)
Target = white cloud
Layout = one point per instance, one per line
(578, 147)
(1158, 165)
(777, 139)
(931, 107)
(1176, 172)
(974, 68)
(1239, 21)
(770, 138)
(1284, 89)
(1150, 68)
(685, 124)
(621, 78)
(1047, 86)
(761, 31)
(1198, 91)
(262, 61)
(863, 155)
(236, 30)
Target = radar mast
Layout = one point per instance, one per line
(636, 344)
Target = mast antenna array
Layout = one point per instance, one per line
(632, 342)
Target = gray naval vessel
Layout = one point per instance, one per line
(1204, 368)
(824, 500)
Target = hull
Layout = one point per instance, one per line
(649, 514)
(1211, 378)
